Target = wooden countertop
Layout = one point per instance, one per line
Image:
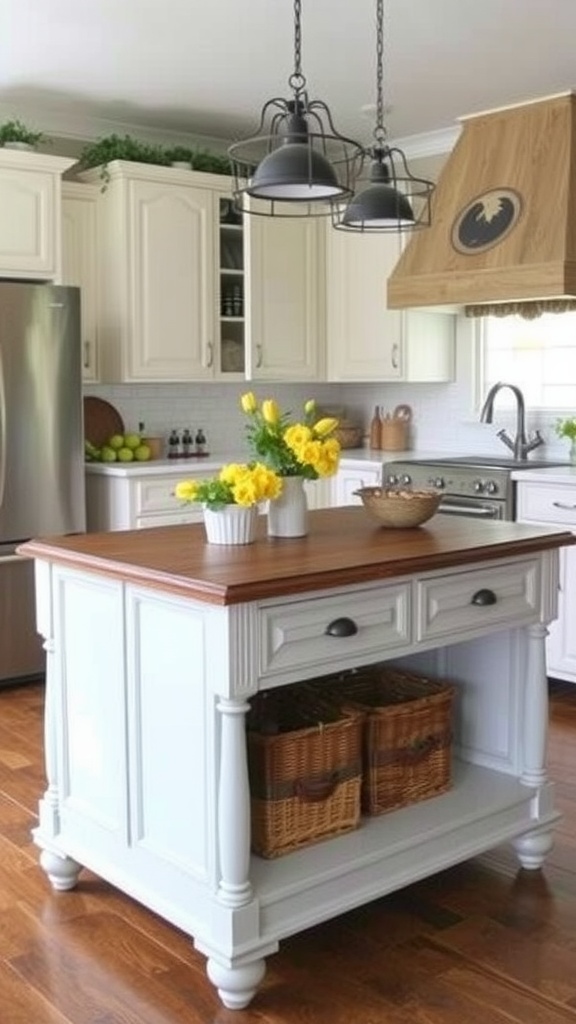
(344, 547)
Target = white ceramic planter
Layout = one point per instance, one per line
(233, 524)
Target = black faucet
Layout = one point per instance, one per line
(521, 445)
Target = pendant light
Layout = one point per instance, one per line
(297, 164)
(393, 199)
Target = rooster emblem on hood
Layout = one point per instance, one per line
(486, 220)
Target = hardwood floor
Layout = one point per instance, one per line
(482, 943)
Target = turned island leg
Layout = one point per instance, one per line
(61, 870)
(236, 983)
(533, 847)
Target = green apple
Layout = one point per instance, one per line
(132, 441)
(107, 454)
(125, 454)
(116, 442)
(142, 453)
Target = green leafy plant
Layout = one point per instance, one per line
(305, 448)
(212, 163)
(566, 428)
(16, 131)
(179, 154)
(119, 147)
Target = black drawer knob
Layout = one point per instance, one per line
(341, 627)
(484, 597)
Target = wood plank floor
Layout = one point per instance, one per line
(483, 943)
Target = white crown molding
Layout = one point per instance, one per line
(429, 143)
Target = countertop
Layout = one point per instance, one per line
(344, 547)
(212, 462)
(549, 475)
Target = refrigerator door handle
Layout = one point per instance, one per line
(2, 431)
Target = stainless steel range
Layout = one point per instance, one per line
(474, 486)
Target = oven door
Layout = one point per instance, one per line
(474, 508)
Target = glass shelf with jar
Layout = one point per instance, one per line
(231, 297)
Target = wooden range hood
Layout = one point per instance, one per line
(503, 213)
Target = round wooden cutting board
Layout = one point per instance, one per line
(101, 421)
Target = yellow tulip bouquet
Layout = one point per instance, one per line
(235, 484)
(304, 448)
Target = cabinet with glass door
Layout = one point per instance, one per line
(231, 292)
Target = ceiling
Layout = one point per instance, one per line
(203, 68)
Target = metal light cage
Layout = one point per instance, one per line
(296, 164)
(392, 198)
(389, 198)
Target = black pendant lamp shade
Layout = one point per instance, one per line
(297, 164)
(392, 199)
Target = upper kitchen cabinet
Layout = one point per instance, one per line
(79, 264)
(365, 340)
(158, 287)
(30, 214)
(285, 280)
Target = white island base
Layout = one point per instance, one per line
(145, 734)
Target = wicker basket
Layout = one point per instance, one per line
(407, 734)
(399, 507)
(305, 767)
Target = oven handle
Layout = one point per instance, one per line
(477, 511)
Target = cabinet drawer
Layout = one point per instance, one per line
(454, 604)
(171, 519)
(547, 503)
(293, 635)
(156, 494)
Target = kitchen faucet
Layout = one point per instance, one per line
(521, 445)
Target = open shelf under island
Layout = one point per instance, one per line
(155, 641)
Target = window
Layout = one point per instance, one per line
(539, 356)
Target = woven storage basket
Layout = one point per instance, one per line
(305, 767)
(407, 734)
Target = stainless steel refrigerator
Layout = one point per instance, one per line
(41, 451)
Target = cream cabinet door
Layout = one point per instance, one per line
(363, 338)
(30, 198)
(366, 340)
(349, 479)
(285, 284)
(80, 266)
(172, 282)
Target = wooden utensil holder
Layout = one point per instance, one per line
(394, 435)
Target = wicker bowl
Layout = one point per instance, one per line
(399, 507)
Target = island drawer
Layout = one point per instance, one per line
(473, 600)
(298, 634)
(547, 503)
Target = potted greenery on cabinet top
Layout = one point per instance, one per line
(116, 147)
(15, 135)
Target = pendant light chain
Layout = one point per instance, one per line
(297, 80)
(379, 130)
(297, 164)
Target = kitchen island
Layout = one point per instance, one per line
(155, 640)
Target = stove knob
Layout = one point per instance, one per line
(439, 483)
(392, 479)
(405, 479)
(478, 486)
(492, 487)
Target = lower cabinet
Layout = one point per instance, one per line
(554, 504)
(136, 498)
(132, 499)
(352, 476)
